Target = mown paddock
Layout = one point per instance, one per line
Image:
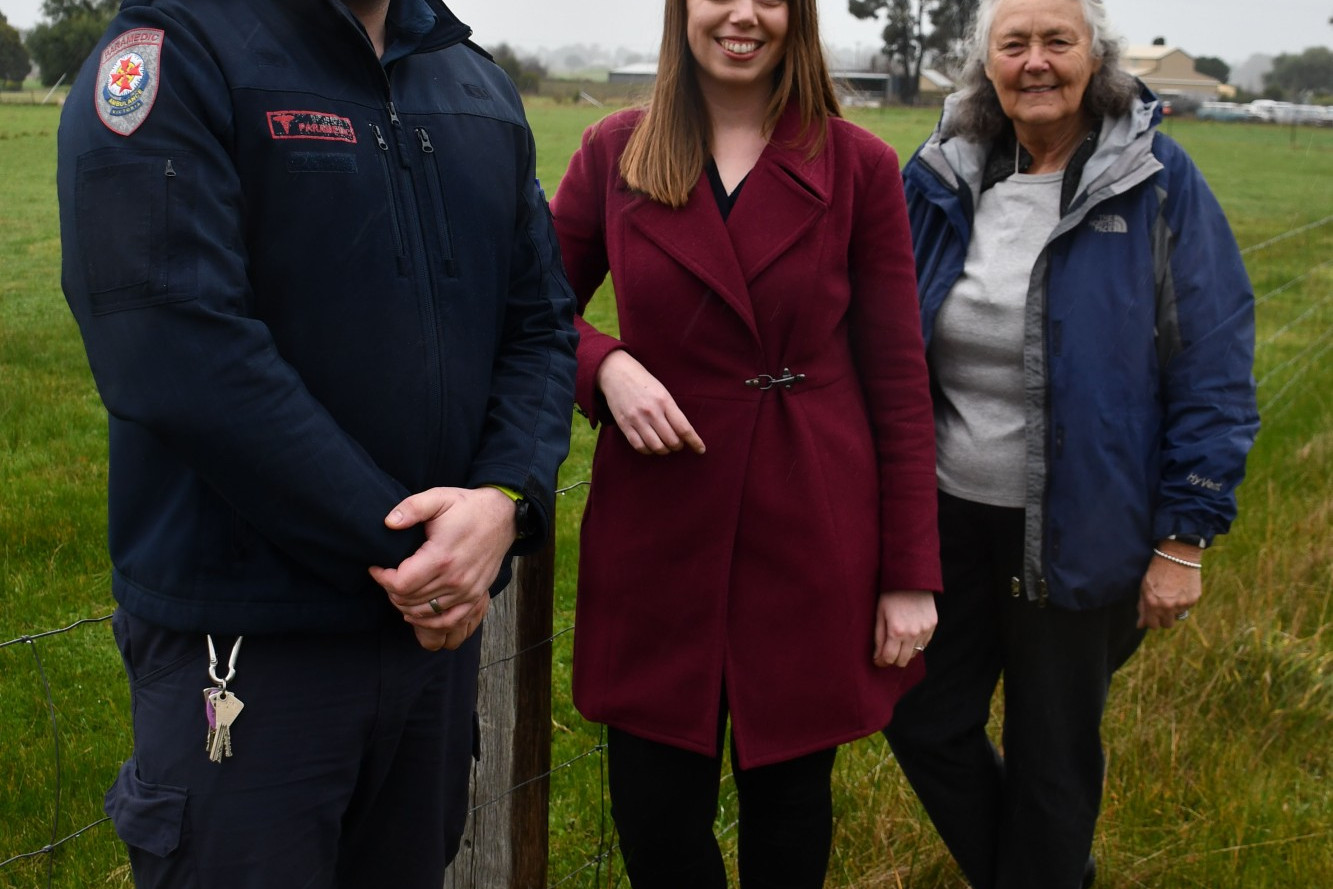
(1217, 737)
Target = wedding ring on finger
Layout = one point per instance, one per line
(435, 606)
(1183, 615)
(919, 648)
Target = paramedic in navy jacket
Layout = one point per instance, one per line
(323, 304)
(1090, 333)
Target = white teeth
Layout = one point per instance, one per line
(739, 47)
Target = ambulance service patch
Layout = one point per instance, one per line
(131, 71)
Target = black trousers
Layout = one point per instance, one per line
(1024, 819)
(351, 766)
(664, 801)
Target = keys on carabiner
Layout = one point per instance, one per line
(222, 707)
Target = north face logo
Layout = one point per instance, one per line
(1109, 224)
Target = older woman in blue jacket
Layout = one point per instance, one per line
(1090, 329)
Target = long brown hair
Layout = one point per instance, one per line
(666, 152)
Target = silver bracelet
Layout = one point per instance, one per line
(1197, 566)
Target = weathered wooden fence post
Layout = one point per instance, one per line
(505, 843)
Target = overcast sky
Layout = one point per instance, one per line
(1233, 30)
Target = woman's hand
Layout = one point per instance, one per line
(643, 409)
(1169, 590)
(903, 626)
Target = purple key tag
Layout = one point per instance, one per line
(209, 695)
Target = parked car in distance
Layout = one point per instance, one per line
(1223, 111)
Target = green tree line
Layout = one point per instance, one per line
(14, 60)
(60, 44)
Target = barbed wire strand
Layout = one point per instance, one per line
(1275, 406)
(542, 777)
(531, 648)
(1287, 234)
(596, 861)
(1314, 309)
(1292, 283)
(1301, 358)
(35, 636)
(46, 850)
(55, 740)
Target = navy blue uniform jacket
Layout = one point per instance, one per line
(309, 284)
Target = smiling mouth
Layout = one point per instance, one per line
(1043, 88)
(739, 47)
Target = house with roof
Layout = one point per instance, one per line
(1169, 71)
(934, 85)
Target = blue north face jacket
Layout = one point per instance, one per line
(1138, 353)
(310, 282)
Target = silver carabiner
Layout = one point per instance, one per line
(231, 662)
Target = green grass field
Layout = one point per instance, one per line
(1217, 733)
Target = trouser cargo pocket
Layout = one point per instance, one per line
(146, 816)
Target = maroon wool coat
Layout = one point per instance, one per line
(759, 563)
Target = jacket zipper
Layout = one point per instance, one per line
(162, 270)
(443, 231)
(426, 287)
(395, 220)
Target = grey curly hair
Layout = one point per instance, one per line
(978, 114)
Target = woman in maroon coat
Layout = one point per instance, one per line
(760, 538)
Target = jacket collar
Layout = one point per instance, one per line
(785, 195)
(411, 20)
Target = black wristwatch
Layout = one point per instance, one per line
(525, 518)
(1191, 539)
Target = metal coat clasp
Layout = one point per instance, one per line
(764, 382)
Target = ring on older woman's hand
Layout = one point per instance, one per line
(920, 648)
(1184, 615)
(435, 606)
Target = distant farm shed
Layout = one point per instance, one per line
(934, 84)
(643, 72)
(1169, 71)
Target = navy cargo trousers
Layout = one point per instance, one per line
(350, 765)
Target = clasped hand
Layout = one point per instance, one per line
(443, 589)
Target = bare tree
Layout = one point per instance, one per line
(915, 30)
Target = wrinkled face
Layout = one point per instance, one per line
(1040, 61)
(736, 43)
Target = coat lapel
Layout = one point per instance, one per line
(696, 237)
(784, 196)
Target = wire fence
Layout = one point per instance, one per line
(1292, 349)
(1295, 343)
(57, 841)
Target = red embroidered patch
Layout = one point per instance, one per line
(310, 125)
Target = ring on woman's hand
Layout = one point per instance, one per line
(435, 606)
(1183, 615)
(920, 648)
